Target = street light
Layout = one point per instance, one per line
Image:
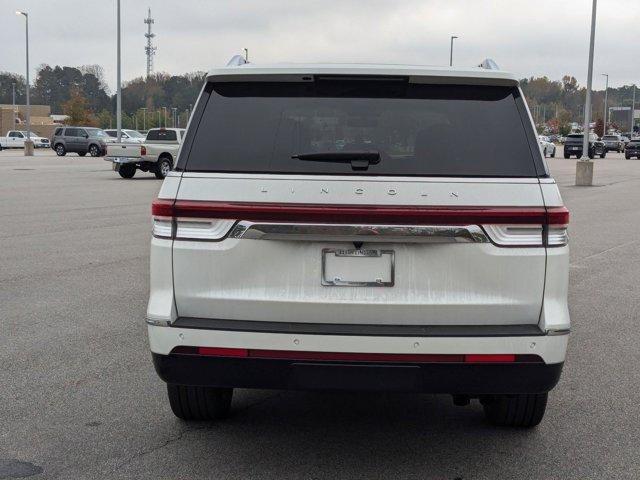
(606, 110)
(453, 37)
(119, 90)
(28, 144)
(584, 166)
(13, 107)
(144, 118)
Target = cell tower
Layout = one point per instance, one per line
(150, 50)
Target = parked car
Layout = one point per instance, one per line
(613, 142)
(126, 136)
(81, 140)
(16, 139)
(573, 146)
(279, 260)
(632, 149)
(548, 148)
(156, 155)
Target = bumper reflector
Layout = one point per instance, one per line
(357, 356)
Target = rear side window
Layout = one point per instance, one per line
(161, 135)
(71, 132)
(58, 132)
(422, 130)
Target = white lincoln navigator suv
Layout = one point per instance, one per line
(360, 227)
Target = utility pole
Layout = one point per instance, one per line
(119, 91)
(453, 37)
(584, 166)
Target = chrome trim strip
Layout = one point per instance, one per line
(350, 233)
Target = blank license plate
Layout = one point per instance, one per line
(357, 268)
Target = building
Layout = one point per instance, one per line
(42, 122)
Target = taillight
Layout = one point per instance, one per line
(166, 224)
(557, 224)
(143, 150)
(506, 226)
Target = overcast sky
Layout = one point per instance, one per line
(541, 37)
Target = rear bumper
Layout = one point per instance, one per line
(446, 378)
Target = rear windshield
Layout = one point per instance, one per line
(161, 135)
(610, 137)
(425, 130)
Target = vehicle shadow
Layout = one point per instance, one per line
(365, 435)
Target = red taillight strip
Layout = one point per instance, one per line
(374, 214)
(358, 357)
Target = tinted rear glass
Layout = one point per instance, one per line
(417, 129)
(71, 132)
(161, 135)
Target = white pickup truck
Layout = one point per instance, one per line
(157, 154)
(16, 139)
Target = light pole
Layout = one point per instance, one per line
(28, 144)
(246, 55)
(119, 93)
(453, 37)
(606, 110)
(584, 166)
(13, 109)
(144, 118)
(175, 114)
(633, 109)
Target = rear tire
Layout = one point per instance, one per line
(162, 168)
(82, 154)
(60, 150)
(523, 410)
(591, 153)
(603, 154)
(566, 155)
(628, 157)
(199, 403)
(127, 170)
(94, 150)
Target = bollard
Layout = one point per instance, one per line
(28, 148)
(584, 173)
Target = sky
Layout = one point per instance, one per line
(527, 37)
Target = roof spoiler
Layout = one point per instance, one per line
(236, 61)
(489, 64)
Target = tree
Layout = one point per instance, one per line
(599, 128)
(6, 88)
(76, 109)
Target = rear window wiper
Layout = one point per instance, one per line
(359, 160)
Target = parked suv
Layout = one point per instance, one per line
(632, 149)
(613, 142)
(81, 140)
(327, 228)
(573, 146)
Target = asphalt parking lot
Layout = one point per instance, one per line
(79, 397)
